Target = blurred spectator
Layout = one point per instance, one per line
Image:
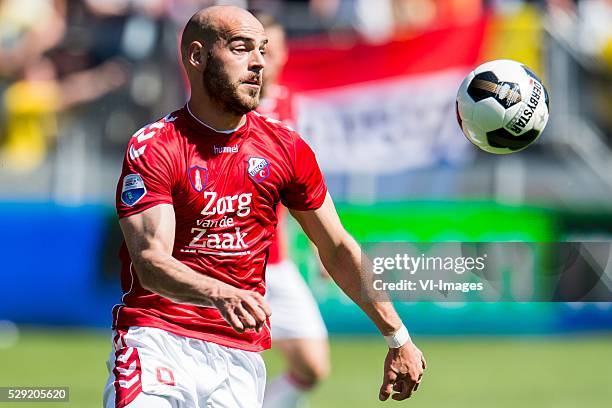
(586, 24)
(76, 68)
(414, 13)
(595, 25)
(427, 13)
(32, 103)
(28, 28)
(562, 14)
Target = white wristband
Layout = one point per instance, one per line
(399, 338)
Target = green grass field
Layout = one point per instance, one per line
(463, 372)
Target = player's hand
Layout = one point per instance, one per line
(403, 370)
(242, 309)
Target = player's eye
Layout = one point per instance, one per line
(238, 46)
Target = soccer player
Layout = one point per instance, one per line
(304, 346)
(196, 201)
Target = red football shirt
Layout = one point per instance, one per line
(224, 188)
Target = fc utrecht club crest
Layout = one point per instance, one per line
(259, 169)
(198, 176)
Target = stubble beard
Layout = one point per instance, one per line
(225, 92)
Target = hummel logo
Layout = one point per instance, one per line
(225, 149)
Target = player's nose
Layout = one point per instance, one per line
(257, 61)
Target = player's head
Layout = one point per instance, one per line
(222, 51)
(276, 50)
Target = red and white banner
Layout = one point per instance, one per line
(383, 108)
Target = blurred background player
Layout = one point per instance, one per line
(304, 346)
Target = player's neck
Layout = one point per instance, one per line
(215, 118)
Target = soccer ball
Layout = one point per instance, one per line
(502, 106)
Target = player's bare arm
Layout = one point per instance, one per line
(149, 236)
(341, 256)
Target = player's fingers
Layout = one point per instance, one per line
(423, 361)
(234, 321)
(397, 387)
(405, 389)
(245, 317)
(387, 385)
(262, 303)
(257, 312)
(415, 377)
(253, 308)
(416, 386)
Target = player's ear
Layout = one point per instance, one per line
(196, 55)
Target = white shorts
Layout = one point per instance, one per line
(151, 368)
(295, 314)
